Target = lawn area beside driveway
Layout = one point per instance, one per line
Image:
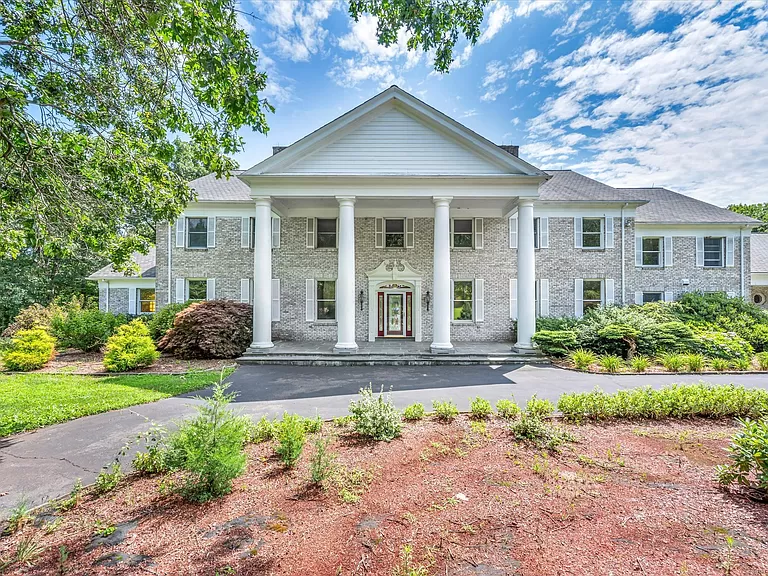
(29, 401)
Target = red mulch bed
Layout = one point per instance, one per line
(635, 499)
(75, 362)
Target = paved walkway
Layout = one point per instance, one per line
(44, 464)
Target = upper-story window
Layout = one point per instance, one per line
(592, 232)
(463, 231)
(652, 251)
(326, 233)
(197, 232)
(394, 232)
(714, 250)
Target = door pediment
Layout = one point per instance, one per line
(394, 269)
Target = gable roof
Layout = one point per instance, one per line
(145, 262)
(570, 186)
(668, 207)
(758, 253)
(392, 96)
(209, 188)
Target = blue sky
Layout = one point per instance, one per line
(662, 92)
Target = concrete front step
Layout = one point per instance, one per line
(405, 359)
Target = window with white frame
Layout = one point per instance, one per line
(197, 290)
(462, 300)
(593, 294)
(197, 232)
(592, 232)
(326, 233)
(652, 250)
(714, 250)
(146, 298)
(326, 300)
(653, 297)
(394, 232)
(463, 232)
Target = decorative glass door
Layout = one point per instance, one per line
(394, 314)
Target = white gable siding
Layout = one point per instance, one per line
(394, 143)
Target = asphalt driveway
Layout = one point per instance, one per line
(44, 464)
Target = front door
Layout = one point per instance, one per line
(394, 309)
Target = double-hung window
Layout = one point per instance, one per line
(197, 290)
(652, 297)
(593, 294)
(714, 250)
(394, 232)
(652, 248)
(592, 232)
(462, 300)
(326, 300)
(197, 232)
(462, 232)
(326, 233)
(146, 297)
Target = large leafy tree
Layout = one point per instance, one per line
(185, 162)
(90, 91)
(759, 211)
(430, 25)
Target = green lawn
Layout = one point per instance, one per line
(29, 401)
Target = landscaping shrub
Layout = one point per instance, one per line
(130, 347)
(211, 329)
(263, 430)
(445, 410)
(539, 407)
(375, 416)
(670, 337)
(583, 359)
(87, 329)
(29, 350)
(533, 429)
(162, 320)
(207, 450)
(291, 436)
(639, 363)
(748, 450)
(414, 411)
(757, 336)
(551, 323)
(607, 330)
(719, 364)
(31, 317)
(321, 466)
(555, 342)
(675, 401)
(762, 360)
(312, 425)
(623, 335)
(672, 362)
(741, 364)
(694, 362)
(727, 345)
(108, 479)
(611, 363)
(480, 408)
(507, 409)
(149, 462)
(698, 308)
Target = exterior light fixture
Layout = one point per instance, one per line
(361, 299)
(427, 299)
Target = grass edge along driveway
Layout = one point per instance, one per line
(29, 401)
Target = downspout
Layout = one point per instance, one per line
(169, 262)
(741, 262)
(623, 232)
(107, 291)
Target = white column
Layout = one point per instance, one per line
(345, 282)
(526, 276)
(441, 288)
(262, 275)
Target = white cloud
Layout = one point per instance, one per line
(497, 72)
(573, 20)
(499, 15)
(469, 113)
(527, 7)
(297, 27)
(279, 89)
(684, 109)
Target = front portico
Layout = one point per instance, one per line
(397, 209)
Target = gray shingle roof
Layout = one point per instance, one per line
(212, 189)
(665, 206)
(758, 252)
(145, 262)
(570, 186)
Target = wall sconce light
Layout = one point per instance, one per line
(361, 299)
(427, 299)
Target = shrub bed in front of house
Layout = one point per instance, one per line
(696, 333)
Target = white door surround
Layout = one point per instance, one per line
(385, 273)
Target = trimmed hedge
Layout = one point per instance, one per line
(29, 350)
(130, 347)
(87, 330)
(211, 329)
(555, 342)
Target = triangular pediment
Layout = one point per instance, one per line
(394, 133)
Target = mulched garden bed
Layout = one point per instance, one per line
(624, 499)
(75, 362)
